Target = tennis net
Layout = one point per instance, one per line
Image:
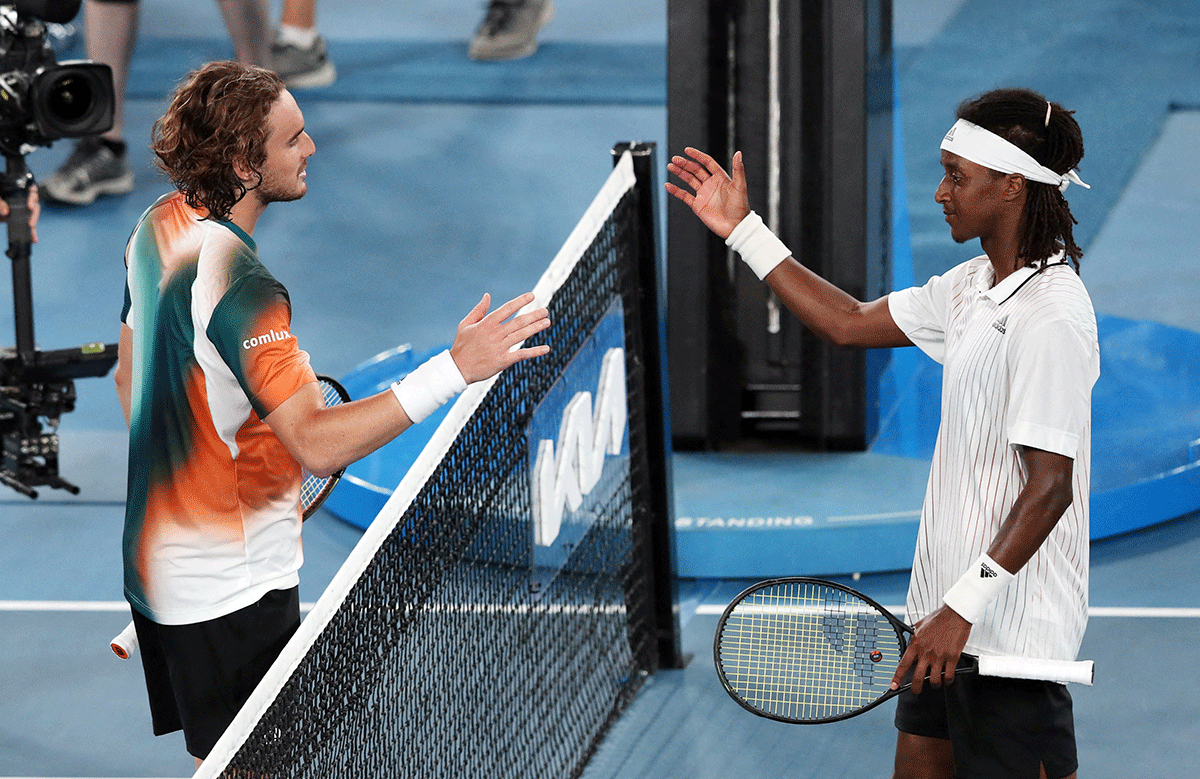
(516, 589)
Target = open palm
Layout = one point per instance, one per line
(719, 200)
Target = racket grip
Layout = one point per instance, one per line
(1063, 671)
(126, 642)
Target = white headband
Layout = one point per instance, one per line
(983, 147)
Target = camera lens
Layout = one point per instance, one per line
(70, 98)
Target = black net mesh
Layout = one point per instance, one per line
(448, 658)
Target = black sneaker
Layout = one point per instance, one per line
(93, 169)
(509, 31)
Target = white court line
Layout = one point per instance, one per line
(1156, 612)
(64, 605)
(1134, 611)
(716, 609)
(78, 605)
(894, 515)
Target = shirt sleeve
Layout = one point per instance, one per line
(921, 313)
(127, 307)
(251, 329)
(1050, 392)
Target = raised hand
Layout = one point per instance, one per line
(483, 344)
(719, 201)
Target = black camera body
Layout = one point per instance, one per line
(34, 394)
(41, 101)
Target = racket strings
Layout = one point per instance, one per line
(803, 651)
(310, 489)
(313, 488)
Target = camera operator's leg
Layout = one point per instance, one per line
(249, 25)
(98, 165)
(111, 28)
(299, 54)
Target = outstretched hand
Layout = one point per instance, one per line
(483, 345)
(720, 201)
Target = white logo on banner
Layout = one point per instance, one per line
(561, 478)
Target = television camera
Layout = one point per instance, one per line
(41, 101)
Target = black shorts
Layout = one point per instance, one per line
(199, 675)
(998, 728)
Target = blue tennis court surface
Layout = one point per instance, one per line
(436, 179)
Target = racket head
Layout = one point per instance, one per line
(807, 651)
(315, 489)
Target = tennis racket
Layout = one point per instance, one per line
(808, 651)
(313, 492)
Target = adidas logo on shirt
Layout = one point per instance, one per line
(1001, 324)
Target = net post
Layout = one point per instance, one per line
(652, 325)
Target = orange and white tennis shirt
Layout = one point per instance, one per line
(212, 520)
(1019, 362)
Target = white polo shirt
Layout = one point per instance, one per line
(1019, 361)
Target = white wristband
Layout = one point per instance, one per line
(424, 390)
(760, 248)
(979, 586)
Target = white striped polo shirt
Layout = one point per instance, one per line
(1019, 362)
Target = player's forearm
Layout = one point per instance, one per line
(325, 439)
(834, 315)
(121, 379)
(350, 432)
(1032, 518)
(1041, 503)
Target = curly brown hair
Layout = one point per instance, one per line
(217, 115)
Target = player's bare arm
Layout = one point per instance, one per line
(123, 374)
(1044, 499)
(720, 201)
(325, 439)
(1046, 496)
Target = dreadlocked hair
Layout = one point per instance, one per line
(1019, 116)
(217, 115)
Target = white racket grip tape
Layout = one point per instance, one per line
(977, 588)
(434, 381)
(760, 248)
(1062, 671)
(126, 643)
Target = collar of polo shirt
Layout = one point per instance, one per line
(1011, 283)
